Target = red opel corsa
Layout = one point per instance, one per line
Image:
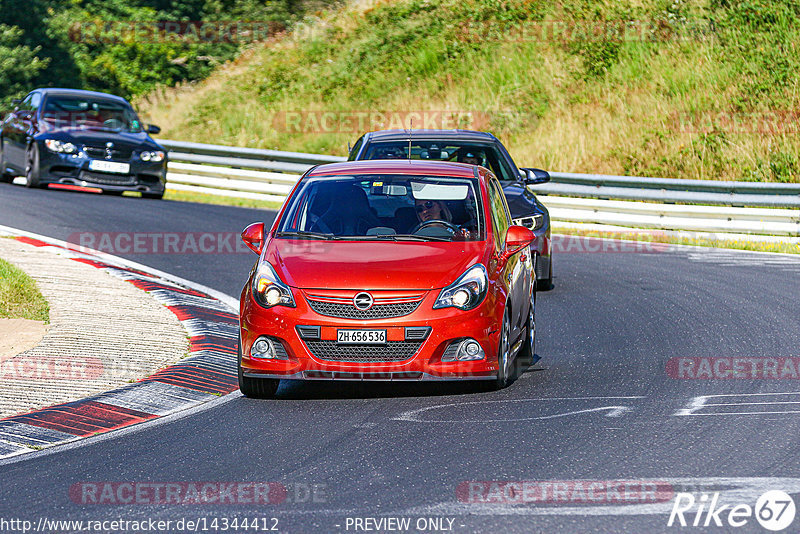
(388, 270)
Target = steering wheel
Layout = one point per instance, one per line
(113, 124)
(450, 226)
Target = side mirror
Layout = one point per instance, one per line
(153, 129)
(16, 102)
(535, 176)
(517, 238)
(253, 237)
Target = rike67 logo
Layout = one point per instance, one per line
(773, 510)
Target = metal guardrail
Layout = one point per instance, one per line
(727, 193)
(180, 149)
(669, 204)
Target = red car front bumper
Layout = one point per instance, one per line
(445, 326)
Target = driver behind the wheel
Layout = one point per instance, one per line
(471, 157)
(430, 210)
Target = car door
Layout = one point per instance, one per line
(14, 133)
(19, 130)
(516, 271)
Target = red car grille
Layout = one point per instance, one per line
(383, 307)
(392, 351)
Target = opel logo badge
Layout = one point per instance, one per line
(363, 301)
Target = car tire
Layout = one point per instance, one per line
(32, 171)
(255, 388)
(504, 374)
(154, 196)
(4, 176)
(528, 350)
(546, 284)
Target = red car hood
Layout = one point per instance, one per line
(371, 265)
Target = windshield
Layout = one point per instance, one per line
(485, 154)
(90, 113)
(393, 207)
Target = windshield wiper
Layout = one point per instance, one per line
(415, 237)
(393, 237)
(307, 235)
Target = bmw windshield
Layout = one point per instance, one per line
(474, 153)
(391, 207)
(90, 113)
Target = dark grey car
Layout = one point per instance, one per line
(81, 138)
(479, 148)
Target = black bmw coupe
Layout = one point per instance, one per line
(68, 138)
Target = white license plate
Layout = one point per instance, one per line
(109, 166)
(373, 337)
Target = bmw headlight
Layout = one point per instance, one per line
(61, 147)
(466, 292)
(152, 155)
(269, 290)
(535, 222)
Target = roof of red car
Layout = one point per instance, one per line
(398, 166)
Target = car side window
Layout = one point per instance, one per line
(25, 105)
(36, 100)
(500, 218)
(355, 149)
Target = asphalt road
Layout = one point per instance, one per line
(600, 406)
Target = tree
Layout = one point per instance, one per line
(19, 65)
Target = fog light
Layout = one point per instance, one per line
(263, 349)
(273, 296)
(463, 351)
(469, 350)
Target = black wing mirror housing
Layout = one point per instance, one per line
(535, 176)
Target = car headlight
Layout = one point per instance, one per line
(152, 155)
(269, 290)
(534, 222)
(466, 292)
(60, 147)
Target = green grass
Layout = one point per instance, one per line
(656, 237)
(654, 106)
(188, 196)
(202, 198)
(19, 296)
